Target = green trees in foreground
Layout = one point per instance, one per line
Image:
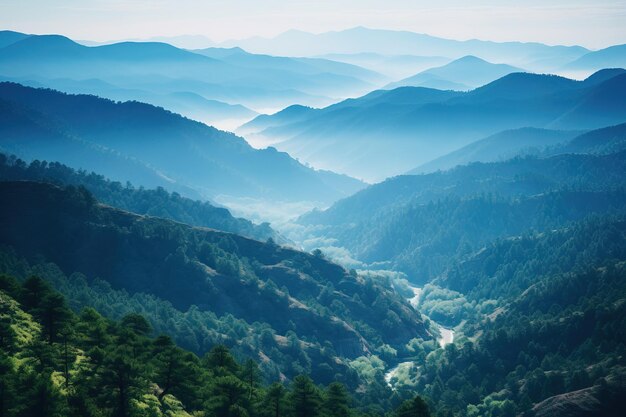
(54, 362)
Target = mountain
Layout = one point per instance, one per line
(57, 360)
(192, 105)
(223, 276)
(559, 288)
(601, 141)
(534, 56)
(155, 71)
(501, 146)
(180, 41)
(390, 132)
(611, 57)
(153, 202)
(153, 147)
(310, 66)
(393, 66)
(421, 224)
(8, 37)
(462, 74)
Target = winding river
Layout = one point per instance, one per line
(446, 337)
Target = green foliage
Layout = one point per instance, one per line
(157, 202)
(304, 398)
(204, 287)
(416, 407)
(424, 224)
(115, 369)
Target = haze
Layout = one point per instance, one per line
(591, 24)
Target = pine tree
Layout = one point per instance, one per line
(416, 407)
(220, 361)
(250, 377)
(336, 401)
(227, 397)
(274, 401)
(176, 371)
(304, 398)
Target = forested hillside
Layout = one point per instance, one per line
(152, 202)
(153, 147)
(57, 363)
(387, 133)
(451, 245)
(289, 298)
(423, 224)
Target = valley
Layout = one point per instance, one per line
(342, 223)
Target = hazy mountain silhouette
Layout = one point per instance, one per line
(150, 68)
(501, 146)
(416, 223)
(613, 56)
(394, 66)
(462, 74)
(311, 66)
(7, 37)
(533, 141)
(195, 106)
(607, 140)
(150, 146)
(533, 56)
(390, 132)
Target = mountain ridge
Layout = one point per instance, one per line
(215, 161)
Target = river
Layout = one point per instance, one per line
(446, 337)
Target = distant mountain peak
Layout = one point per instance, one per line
(469, 58)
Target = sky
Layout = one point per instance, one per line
(593, 24)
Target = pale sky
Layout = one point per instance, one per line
(594, 24)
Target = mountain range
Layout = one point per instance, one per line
(533, 56)
(390, 132)
(222, 275)
(611, 57)
(463, 74)
(498, 147)
(162, 74)
(153, 147)
(482, 273)
(420, 223)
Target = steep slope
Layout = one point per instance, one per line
(153, 202)
(601, 141)
(177, 152)
(462, 74)
(215, 271)
(423, 224)
(603, 105)
(390, 132)
(59, 362)
(501, 146)
(558, 297)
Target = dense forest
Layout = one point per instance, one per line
(545, 316)
(205, 287)
(492, 289)
(152, 202)
(57, 363)
(423, 224)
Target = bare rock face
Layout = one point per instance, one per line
(603, 399)
(572, 404)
